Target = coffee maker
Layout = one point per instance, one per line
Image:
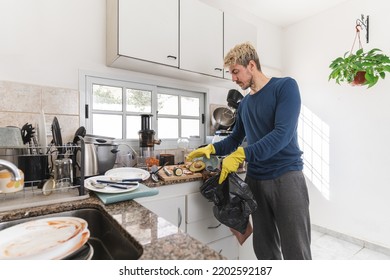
(146, 137)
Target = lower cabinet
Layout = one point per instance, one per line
(171, 209)
(185, 207)
(227, 247)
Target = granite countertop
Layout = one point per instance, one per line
(160, 239)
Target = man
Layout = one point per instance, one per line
(268, 118)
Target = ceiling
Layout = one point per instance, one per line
(284, 12)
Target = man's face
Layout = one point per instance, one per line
(241, 76)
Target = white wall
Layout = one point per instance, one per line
(358, 119)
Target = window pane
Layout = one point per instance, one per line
(107, 125)
(133, 125)
(190, 106)
(168, 104)
(189, 128)
(107, 98)
(168, 128)
(138, 101)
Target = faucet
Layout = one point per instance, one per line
(12, 168)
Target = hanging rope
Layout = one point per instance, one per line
(357, 36)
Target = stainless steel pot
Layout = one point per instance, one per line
(222, 118)
(106, 156)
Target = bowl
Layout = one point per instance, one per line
(7, 183)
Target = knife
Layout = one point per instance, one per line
(124, 187)
(118, 182)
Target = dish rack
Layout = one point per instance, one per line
(35, 193)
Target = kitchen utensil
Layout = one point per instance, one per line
(115, 182)
(91, 184)
(128, 173)
(49, 186)
(35, 167)
(90, 160)
(234, 98)
(106, 155)
(44, 239)
(27, 133)
(154, 172)
(222, 118)
(80, 132)
(7, 183)
(42, 137)
(57, 138)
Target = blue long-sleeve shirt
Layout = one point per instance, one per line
(268, 120)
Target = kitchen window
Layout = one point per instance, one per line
(114, 108)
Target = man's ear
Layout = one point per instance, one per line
(252, 66)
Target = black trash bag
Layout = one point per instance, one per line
(233, 200)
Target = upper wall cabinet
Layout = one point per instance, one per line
(158, 37)
(143, 29)
(237, 31)
(201, 38)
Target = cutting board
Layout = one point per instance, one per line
(141, 191)
(184, 177)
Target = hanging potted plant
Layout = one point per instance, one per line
(361, 68)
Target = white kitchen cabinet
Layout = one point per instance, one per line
(237, 31)
(201, 38)
(202, 225)
(171, 209)
(135, 30)
(227, 247)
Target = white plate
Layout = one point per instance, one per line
(44, 239)
(88, 184)
(42, 139)
(128, 173)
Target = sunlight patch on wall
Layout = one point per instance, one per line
(313, 137)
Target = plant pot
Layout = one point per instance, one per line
(360, 78)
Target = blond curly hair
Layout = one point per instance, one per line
(241, 54)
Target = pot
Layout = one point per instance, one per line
(222, 118)
(106, 156)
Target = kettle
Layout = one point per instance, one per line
(91, 167)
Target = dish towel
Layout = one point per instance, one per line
(141, 191)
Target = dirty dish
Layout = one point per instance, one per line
(92, 185)
(44, 239)
(128, 173)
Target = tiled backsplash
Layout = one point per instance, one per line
(22, 103)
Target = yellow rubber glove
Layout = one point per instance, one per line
(205, 151)
(231, 163)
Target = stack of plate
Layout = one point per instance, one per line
(120, 175)
(44, 239)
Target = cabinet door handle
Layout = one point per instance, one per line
(179, 217)
(171, 56)
(218, 69)
(212, 227)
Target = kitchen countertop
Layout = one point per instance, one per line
(160, 239)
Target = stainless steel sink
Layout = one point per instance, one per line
(108, 239)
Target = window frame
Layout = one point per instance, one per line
(86, 83)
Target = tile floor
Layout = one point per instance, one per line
(328, 247)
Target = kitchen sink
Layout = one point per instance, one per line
(108, 239)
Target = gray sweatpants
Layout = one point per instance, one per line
(281, 223)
